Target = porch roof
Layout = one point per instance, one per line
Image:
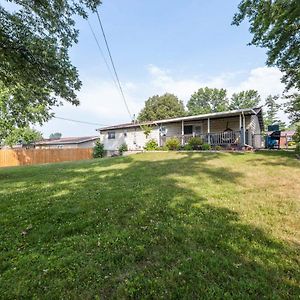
(217, 115)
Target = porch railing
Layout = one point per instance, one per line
(220, 138)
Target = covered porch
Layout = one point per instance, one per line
(215, 131)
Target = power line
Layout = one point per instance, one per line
(78, 121)
(103, 56)
(113, 65)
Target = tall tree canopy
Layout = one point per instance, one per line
(275, 25)
(272, 109)
(55, 135)
(207, 100)
(293, 107)
(162, 107)
(244, 99)
(35, 69)
(25, 135)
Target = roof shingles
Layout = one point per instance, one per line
(67, 140)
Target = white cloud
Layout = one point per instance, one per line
(263, 79)
(102, 103)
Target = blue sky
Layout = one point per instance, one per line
(161, 46)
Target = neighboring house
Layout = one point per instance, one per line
(235, 128)
(68, 142)
(286, 137)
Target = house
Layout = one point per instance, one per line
(236, 128)
(286, 137)
(68, 142)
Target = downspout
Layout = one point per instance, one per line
(244, 131)
(182, 133)
(159, 135)
(158, 126)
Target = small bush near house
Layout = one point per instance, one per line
(187, 147)
(162, 148)
(173, 144)
(122, 148)
(151, 145)
(206, 147)
(218, 148)
(195, 143)
(98, 150)
(297, 149)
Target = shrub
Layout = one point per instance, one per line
(195, 143)
(291, 143)
(122, 148)
(206, 147)
(147, 130)
(187, 147)
(162, 148)
(218, 148)
(151, 145)
(98, 150)
(173, 144)
(296, 136)
(297, 149)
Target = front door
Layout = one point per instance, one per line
(197, 130)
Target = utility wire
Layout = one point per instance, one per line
(103, 56)
(113, 65)
(78, 121)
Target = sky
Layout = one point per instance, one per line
(160, 46)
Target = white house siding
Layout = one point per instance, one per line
(255, 137)
(88, 144)
(134, 138)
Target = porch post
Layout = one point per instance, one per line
(208, 131)
(159, 136)
(182, 133)
(244, 130)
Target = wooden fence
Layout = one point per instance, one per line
(20, 157)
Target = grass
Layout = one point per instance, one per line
(155, 225)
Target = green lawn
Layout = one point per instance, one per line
(154, 225)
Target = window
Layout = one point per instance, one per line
(125, 133)
(188, 129)
(111, 135)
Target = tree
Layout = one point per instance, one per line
(207, 100)
(98, 150)
(293, 107)
(35, 69)
(25, 135)
(275, 25)
(296, 136)
(244, 99)
(56, 135)
(271, 113)
(162, 107)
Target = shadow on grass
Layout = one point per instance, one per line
(135, 228)
(277, 158)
